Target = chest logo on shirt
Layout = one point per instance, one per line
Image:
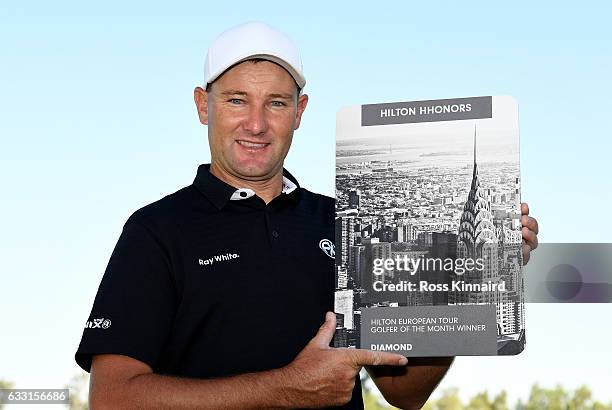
(328, 247)
(218, 258)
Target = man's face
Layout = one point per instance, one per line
(251, 112)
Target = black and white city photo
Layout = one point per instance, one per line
(428, 233)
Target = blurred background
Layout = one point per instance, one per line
(97, 120)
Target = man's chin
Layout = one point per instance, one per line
(253, 172)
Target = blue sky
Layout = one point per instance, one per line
(98, 120)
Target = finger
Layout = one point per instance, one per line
(326, 331)
(530, 237)
(362, 357)
(530, 222)
(526, 253)
(524, 208)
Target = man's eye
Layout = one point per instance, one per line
(235, 101)
(278, 103)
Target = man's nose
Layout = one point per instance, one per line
(256, 122)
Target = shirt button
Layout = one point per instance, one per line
(275, 234)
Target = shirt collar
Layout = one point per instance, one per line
(245, 193)
(220, 192)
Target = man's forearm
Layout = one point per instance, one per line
(410, 386)
(267, 389)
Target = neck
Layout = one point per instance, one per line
(267, 188)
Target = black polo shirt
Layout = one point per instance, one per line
(201, 284)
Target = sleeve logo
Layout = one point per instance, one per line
(98, 323)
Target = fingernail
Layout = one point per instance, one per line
(403, 361)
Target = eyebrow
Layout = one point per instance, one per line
(233, 92)
(285, 96)
(273, 95)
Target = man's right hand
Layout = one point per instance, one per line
(323, 376)
(320, 376)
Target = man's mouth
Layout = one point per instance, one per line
(252, 145)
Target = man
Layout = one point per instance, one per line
(214, 295)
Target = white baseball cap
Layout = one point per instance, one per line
(252, 40)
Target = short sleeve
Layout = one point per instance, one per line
(134, 307)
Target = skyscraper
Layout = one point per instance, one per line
(476, 238)
(499, 247)
(354, 198)
(345, 228)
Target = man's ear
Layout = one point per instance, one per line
(301, 106)
(200, 97)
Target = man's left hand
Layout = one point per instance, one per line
(530, 232)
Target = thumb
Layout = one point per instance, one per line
(326, 331)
